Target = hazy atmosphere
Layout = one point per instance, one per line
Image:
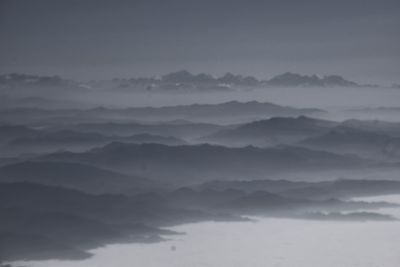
(199, 133)
(108, 39)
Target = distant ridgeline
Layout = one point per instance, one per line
(17, 79)
(181, 80)
(184, 80)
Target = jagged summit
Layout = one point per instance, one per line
(290, 79)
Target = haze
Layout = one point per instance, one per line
(107, 39)
(199, 133)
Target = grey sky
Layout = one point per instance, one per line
(359, 39)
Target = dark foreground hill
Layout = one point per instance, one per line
(45, 222)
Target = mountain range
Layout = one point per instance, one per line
(289, 79)
(78, 176)
(367, 139)
(354, 141)
(190, 163)
(51, 141)
(46, 222)
(271, 132)
(184, 80)
(226, 113)
(179, 80)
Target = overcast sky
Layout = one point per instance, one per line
(358, 39)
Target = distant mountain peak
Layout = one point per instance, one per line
(289, 79)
